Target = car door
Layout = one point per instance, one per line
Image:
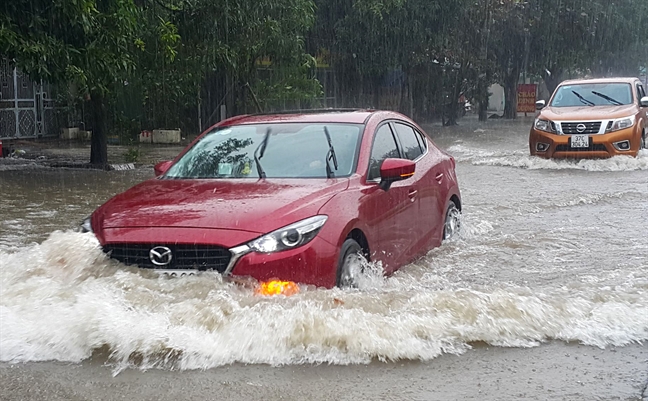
(388, 214)
(425, 222)
(644, 110)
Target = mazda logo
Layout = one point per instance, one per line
(160, 255)
(581, 128)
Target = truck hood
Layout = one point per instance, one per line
(585, 113)
(257, 206)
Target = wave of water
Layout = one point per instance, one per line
(63, 300)
(522, 159)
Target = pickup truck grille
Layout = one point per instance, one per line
(571, 128)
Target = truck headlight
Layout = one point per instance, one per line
(621, 123)
(545, 125)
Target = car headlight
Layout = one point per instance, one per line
(289, 237)
(621, 123)
(545, 125)
(86, 226)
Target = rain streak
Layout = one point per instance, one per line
(549, 250)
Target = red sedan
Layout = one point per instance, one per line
(291, 197)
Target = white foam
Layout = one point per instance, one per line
(63, 300)
(520, 158)
(617, 163)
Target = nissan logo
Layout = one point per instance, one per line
(581, 128)
(160, 255)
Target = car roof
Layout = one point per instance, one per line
(625, 80)
(349, 116)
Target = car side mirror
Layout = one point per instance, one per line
(392, 170)
(644, 101)
(540, 104)
(161, 167)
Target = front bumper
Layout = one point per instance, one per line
(314, 263)
(601, 145)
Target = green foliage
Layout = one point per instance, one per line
(86, 42)
(597, 37)
(216, 55)
(132, 155)
(287, 85)
(152, 62)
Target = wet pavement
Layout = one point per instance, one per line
(552, 254)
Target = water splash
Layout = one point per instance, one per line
(521, 159)
(64, 300)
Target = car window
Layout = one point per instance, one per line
(409, 141)
(422, 141)
(292, 150)
(640, 91)
(598, 94)
(384, 147)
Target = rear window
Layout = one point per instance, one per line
(410, 141)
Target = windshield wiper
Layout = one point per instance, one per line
(258, 154)
(330, 156)
(606, 97)
(582, 99)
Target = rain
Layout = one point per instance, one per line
(543, 294)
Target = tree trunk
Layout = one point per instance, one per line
(482, 103)
(375, 83)
(453, 105)
(98, 143)
(552, 79)
(482, 99)
(510, 94)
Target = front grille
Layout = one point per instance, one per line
(598, 147)
(591, 127)
(201, 257)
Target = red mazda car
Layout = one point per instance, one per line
(291, 197)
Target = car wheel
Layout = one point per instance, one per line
(452, 221)
(349, 264)
(644, 141)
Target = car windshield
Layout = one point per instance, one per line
(599, 94)
(291, 150)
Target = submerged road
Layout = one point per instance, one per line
(543, 297)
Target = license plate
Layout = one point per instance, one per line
(177, 272)
(579, 141)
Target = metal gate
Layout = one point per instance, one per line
(26, 109)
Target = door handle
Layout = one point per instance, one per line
(412, 194)
(439, 177)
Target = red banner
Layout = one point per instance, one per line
(527, 98)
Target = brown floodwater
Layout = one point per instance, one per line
(551, 251)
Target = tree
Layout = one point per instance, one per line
(86, 43)
(223, 42)
(509, 43)
(596, 37)
(383, 42)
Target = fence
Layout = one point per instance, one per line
(26, 108)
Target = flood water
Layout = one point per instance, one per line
(550, 250)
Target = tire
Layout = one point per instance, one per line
(350, 256)
(644, 141)
(452, 223)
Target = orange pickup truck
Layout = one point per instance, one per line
(592, 118)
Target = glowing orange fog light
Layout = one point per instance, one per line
(276, 287)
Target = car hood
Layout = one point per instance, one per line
(587, 113)
(257, 206)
